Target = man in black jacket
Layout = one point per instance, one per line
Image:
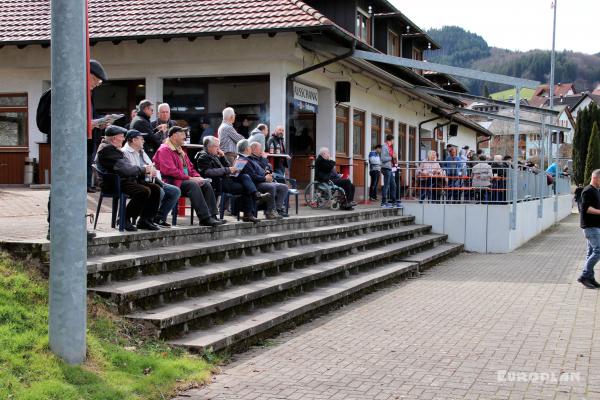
(277, 143)
(213, 164)
(141, 122)
(325, 171)
(163, 123)
(145, 196)
(281, 189)
(590, 223)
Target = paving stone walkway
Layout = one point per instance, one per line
(514, 326)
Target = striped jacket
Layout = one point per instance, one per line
(228, 137)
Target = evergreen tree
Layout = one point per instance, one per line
(581, 139)
(486, 91)
(593, 155)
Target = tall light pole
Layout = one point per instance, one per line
(68, 248)
(552, 66)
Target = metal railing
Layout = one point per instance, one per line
(476, 182)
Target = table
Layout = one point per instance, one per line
(345, 169)
(273, 156)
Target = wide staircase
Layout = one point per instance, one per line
(203, 288)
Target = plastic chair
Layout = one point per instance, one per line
(118, 199)
(175, 212)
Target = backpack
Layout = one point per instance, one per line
(42, 117)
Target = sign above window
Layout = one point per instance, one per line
(306, 94)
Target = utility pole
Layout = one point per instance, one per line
(68, 248)
(552, 65)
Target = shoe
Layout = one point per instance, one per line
(595, 283)
(386, 205)
(210, 222)
(129, 227)
(373, 198)
(398, 205)
(586, 282)
(220, 221)
(91, 190)
(353, 204)
(250, 218)
(162, 223)
(90, 235)
(147, 225)
(347, 208)
(272, 215)
(283, 213)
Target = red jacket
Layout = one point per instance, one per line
(170, 164)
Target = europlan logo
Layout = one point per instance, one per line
(537, 377)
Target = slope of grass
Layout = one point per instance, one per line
(122, 364)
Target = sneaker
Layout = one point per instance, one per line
(595, 283)
(398, 205)
(283, 213)
(272, 215)
(586, 282)
(386, 205)
(162, 223)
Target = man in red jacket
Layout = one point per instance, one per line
(177, 169)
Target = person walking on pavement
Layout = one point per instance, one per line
(590, 223)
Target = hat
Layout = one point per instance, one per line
(176, 129)
(98, 70)
(113, 130)
(132, 134)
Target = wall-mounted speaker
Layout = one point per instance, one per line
(342, 92)
(452, 130)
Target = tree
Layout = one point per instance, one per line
(593, 155)
(581, 140)
(486, 91)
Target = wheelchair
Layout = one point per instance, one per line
(323, 195)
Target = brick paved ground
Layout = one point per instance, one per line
(443, 336)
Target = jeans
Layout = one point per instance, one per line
(169, 195)
(388, 194)
(374, 183)
(454, 185)
(593, 252)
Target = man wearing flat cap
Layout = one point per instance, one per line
(145, 196)
(169, 194)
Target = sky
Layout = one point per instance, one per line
(513, 24)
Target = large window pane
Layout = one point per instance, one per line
(375, 130)
(340, 138)
(13, 129)
(13, 101)
(358, 133)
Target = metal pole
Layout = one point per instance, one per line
(68, 249)
(513, 215)
(552, 68)
(542, 177)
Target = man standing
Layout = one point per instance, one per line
(163, 123)
(145, 196)
(141, 122)
(228, 135)
(277, 143)
(259, 135)
(388, 165)
(454, 171)
(177, 169)
(169, 194)
(590, 223)
(374, 171)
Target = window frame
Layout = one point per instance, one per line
(362, 16)
(402, 140)
(361, 124)
(346, 121)
(412, 142)
(379, 133)
(17, 109)
(393, 51)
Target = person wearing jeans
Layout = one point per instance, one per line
(374, 171)
(590, 223)
(388, 164)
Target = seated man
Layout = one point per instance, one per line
(281, 189)
(262, 181)
(325, 171)
(212, 164)
(169, 194)
(145, 196)
(177, 169)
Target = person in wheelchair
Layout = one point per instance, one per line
(325, 172)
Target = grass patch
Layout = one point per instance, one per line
(122, 363)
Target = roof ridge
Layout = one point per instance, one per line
(320, 18)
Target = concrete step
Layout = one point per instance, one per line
(107, 268)
(142, 240)
(434, 255)
(182, 312)
(152, 290)
(240, 330)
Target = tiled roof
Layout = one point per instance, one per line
(26, 21)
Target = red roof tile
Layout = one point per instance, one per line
(29, 20)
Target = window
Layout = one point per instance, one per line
(535, 137)
(418, 56)
(363, 27)
(389, 127)
(358, 133)
(412, 142)
(393, 44)
(402, 141)
(13, 120)
(341, 130)
(375, 130)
